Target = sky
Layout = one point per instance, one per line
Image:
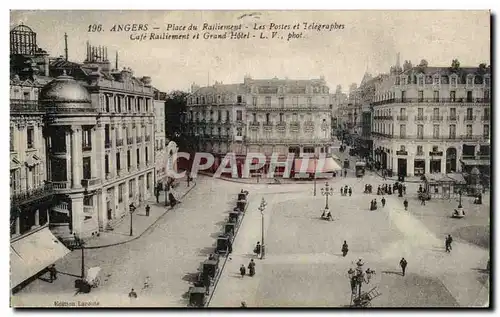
(369, 41)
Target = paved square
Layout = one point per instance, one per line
(304, 267)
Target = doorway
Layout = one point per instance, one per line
(401, 167)
(451, 160)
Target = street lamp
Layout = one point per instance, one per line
(459, 198)
(327, 191)
(80, 244)
(261, 208)
(357, 277)
(131, 208)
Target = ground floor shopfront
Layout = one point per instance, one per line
(419, 158)
(91, 210)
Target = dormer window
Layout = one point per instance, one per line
(487, 81)
(453, 80)
(436, 80)
(420, 80)
(470, 80)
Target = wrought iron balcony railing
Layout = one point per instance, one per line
(19, 197)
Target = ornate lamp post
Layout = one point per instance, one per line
(327, 191)
(357, 277)
(261, 208)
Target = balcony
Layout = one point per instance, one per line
(254, 126)
(431, 100)
(147, 138)
(60, 185)
(32, 194)
(436, 118)
(21, 105)
(294, 126)
(452, 118)
(109, 176)
(485, 118)
(421, 153)
(107, 144)
(402, 118)
(469, 118)
(238, 138)
(281, 127)
(86, 147)
(420, 118)
(90, 182)
(268, 126)
(119, 142)
(138, 139)
(130, 141)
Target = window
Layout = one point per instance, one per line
(146, 154)
(487, 81)
(239, 99)
(452, 95)
(148, 180)
(26, 95)
(254, 117)
(31, 137)
(402, 131)
(309, 101)
(453, 113)
(120, 192)
(436, 113)
(486, 113)
(469, 130)
(118, 165)
(12, 149)
(486, 95)
(469, 113)
(453, 131)
(295, 117)
(295, 101)
(470, 80)
(239, 115)
(436, 95)
(254, 101)
(128, 160)
(219, 115)
(281, 102)
(281, 117)
(403, 96)
(402, 112)
(228, 117)
(420, 80)
(218, 131)
(138, 156)
(435, 148)
(435, 132)
(420, 95)
(469, 96)
(420, 150)
(228, 131)
(239, 131)
(420, 131)
(453, 80)
(131, 188)
(486, 131)
(86, 138)
(87, 173)
(420, 113)
(268, 101)
(106, 164)
(267, 118)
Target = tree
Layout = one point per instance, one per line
(455, 64)
(175, 114)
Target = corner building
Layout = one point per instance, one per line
(261, 116)
(433, 119)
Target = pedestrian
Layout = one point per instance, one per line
(132, 294)
(243, 271)
(146, 283)
(52, 272)
(147, 210)
(256, 250)
(404, 189)
(405, 203)
(379, 190)
(403, 265)
(251, 268)
(345, 173)
(188, 178)
(345, 249)
(422, 200)
(341, 191)
(383, 202)
(157, 194)
(350, 191)
(419, 189)
(448, 242)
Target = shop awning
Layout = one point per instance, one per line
(33, 253)
(476, 162)
(326, 165)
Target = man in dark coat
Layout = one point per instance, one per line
(350, 191)
(405, 203)
(383, 202)
(147, 210)
(403, 265)
(448, 242)
(345, 248)
(251, 267)
(52, 273)
(243, 271)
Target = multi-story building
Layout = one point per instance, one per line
(160, 135)
(336, 100)
(433, 119)
(262, 116)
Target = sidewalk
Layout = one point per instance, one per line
(140, 222)
(266, 181)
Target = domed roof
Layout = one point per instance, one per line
(64, 89)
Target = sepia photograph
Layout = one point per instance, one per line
(250, 158)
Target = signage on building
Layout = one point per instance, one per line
(268, 90)
(401, 153)
(440, 153)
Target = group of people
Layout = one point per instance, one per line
(251, 269)
(373, 203)
(387, 189)
(344, 191)
(368, 189)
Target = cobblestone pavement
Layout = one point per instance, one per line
(304, 266)
(168, 253)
